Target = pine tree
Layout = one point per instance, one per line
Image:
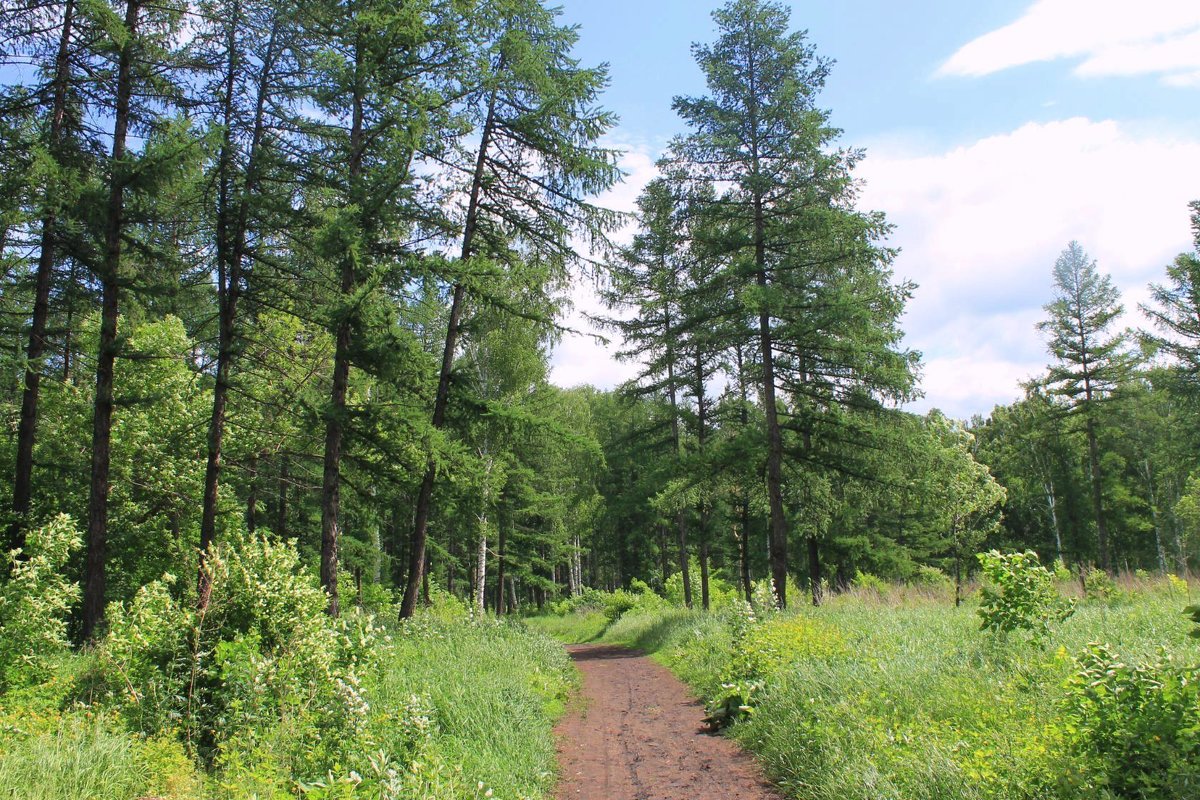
(1091, 360)
(524, 181)
(802, 263)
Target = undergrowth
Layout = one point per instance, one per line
(264, 696)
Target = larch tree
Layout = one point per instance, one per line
(48, 36)
(381, 74)
(140, 78)
(803, 263)
(1175, 311)
(247, 47)
(523, 178)
(1091, 359)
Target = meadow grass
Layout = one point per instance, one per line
(901, 695)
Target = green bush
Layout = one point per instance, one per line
(1020, 595)
(1194, 613)
(1140, 724)
(262, 672)
(865, 581)
(34, 602)
(1099, 585)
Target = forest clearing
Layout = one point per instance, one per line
(299, 506)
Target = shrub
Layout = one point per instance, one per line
(930, 577)
(1140, 724)
(865, 581)
(1020, 595)
(1194, 613)
(1099, 585)
(261, 673)
(34, 602)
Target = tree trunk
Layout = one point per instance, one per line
(97, 536)
(704, 598)
(1097, 497)
(441, 399)
(27, 427)
(814, 569)
(481, 568)
(281, 513)
(252, 497)
(231, 224)
(744, 550)
(501, 545)
(335, 422)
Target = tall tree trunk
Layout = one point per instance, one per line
(681, 516)
(1097, 496)
(231, 228)
(778, 536)
(744, 549)
(501, 545)
(97, 535)
(744, 418)
(331, 476)
(704, 597)
(27, 427)
(425, 496)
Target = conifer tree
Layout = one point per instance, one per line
(1091, 360)
(142, 65)
(523, 183)
(802, 262)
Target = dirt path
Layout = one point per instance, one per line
(637, 735)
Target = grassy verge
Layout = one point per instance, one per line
(456, 709)
(870, 697)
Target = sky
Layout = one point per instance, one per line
(995, 132)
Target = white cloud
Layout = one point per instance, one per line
(1113, 37)
(981, 225)
(579, 357)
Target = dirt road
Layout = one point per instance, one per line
(636, 734)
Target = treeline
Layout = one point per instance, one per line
(760, 305)
(295, 267)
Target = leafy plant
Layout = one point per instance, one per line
(1099, 585)
(1020, 595)
(34, 602)
(1140, 724)
(1194, 613)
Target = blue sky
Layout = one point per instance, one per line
(995, 132)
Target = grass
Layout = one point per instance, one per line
(494, 691)
(460, 708)
(874, 695)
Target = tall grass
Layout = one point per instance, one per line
(898, 694)
(458, 708)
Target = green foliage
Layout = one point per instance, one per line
(1020, 595)
(1194, 613)
(1139, 724)
(34, 603)
(260, 673)
(1099, 585)
(865, 581)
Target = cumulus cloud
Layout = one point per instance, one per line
(981, 225)
(1111, 37)
(581, 357)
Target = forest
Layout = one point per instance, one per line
(294, 501)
